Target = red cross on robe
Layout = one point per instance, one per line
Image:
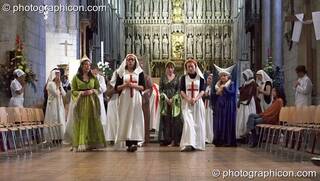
(192, 89)
(131, 89)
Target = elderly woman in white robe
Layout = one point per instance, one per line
(192, 89)
(130, 83)
(17, 89)
(55, 112)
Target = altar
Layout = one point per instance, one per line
(175, 30)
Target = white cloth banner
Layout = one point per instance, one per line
(297, 28)
(316, 23)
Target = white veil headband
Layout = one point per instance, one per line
(121, 70)
(227, 71)
(198, 71)
(222, 71)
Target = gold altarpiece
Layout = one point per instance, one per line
(174, 30)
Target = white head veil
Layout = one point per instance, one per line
(52, 75)
(198, 71)
(18, 72)
(249, 75)
(122, 69)
(265, 77)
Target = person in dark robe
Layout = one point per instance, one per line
(248, 104)
(170, 123)
(224, 100)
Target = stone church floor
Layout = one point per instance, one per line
(148, 163)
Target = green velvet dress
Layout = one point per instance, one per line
(87, 128)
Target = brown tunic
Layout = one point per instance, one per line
(249, 91)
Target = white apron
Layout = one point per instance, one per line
(131, 120)
(194, 129)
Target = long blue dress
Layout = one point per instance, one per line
(224, 125)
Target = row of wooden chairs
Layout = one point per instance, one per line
(24, 129)
(296, 129)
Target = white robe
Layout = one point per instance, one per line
(242, 117)
(16, 99)
(209, 118)
(131, 120)
(55, 112)
(155, 108)
(194, 125)
(112, 118)
(102, 89)
(303, 92)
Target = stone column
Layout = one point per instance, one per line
(266, 30)
(62, 24)
(72, 18)
(277, 30)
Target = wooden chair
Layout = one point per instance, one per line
(30, 131)
(37, 125)
(48, 133)
(267, 128)
(14, 118)
(3, 130)
(307, 117)
(303, 119)
(316, 143)
(32, 124)
(283, 117)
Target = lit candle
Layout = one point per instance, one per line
(102, 52)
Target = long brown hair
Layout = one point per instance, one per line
(80, 71)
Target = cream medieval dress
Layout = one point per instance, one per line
(112, 113)
(55, 112)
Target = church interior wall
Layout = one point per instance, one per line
(30, 26)
(316, 54)
(298, 56)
